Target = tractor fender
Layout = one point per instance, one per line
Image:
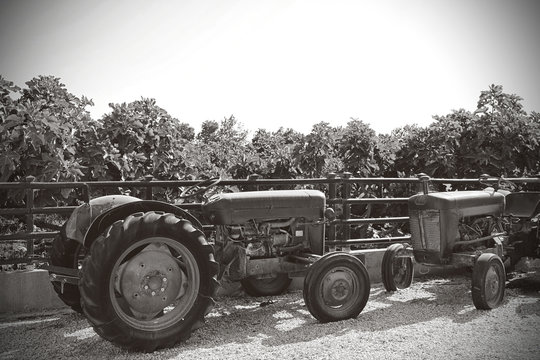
(82, 217)
(120, 212)
(523, 204)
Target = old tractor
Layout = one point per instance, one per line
(151, 270)
(487, 231)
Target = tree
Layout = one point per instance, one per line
(220, 149)
(507, 137)
(42, 128)
(141, 138)
(276, 151)
(498, 138)
(385, 155)
(317, 155)
(356, 148)
(39, 131)
(208, 131)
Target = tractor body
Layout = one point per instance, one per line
(487, 231)
(436, 218)
(149, 269)
(256, 231)
(456, 227)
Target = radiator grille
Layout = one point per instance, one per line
(425, 230)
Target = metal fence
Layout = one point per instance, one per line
(337, 187)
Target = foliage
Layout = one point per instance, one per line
(317, 155)
(276, 151)
(40, 131)
(498, 138)
(42, 128)
(46, 132)
(356, 149)
(222, 149)
(139, 139)
(384, 155)
(509, 137)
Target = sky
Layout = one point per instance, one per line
(272, 64)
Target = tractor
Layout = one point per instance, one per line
(487, 231)
(151, 269)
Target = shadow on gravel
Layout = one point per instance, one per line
(267, 322)
(243, 321)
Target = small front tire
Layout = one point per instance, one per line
(336, 287)
(397, 270)
(488, 282)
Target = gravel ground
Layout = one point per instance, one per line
(434, 318)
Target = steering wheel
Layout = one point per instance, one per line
(505, 184)
(484, 180)
(501, 184)
(199, 188)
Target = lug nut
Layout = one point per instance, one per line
(145, 287)
(153, 293)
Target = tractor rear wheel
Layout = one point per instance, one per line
(488, 282)
(397, 270)
(336, 287)
(148, 281)
(266, 287)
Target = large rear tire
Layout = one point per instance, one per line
(488, 282)
(336, 287)
(67, 253)
(148, 281)
(397, 270)
(266, 287)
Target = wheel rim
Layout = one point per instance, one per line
(340, 288)
(492, 285)
(401, 270)
(154, 283)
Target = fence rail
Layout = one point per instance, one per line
(334, 185)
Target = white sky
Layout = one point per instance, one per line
(279, 63)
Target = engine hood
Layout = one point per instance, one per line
(236, 208)
(468, 203)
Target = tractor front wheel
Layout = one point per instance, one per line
(148, 281)
(397, 269)
(488, 282)
(336, 287)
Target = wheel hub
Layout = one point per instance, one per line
(337, 288)
(150, 281)
(492, 284)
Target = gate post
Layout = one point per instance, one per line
(332, 195)
(253, 177)
(86, 193)
(424, 181)
(149, 195)
(346, 206)
(29, 215)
